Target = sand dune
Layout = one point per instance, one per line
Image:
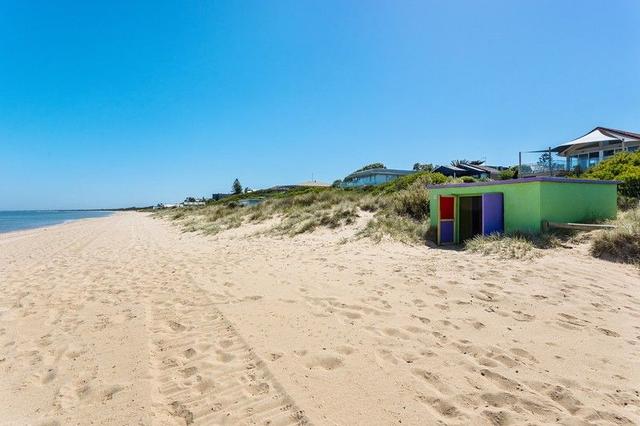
(125, 320)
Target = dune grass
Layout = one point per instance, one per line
(400, 210)
(621, 244)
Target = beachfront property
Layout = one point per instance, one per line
(307, 184)
(583, 152)
(477, 171)
(462, 211)
(597, 145)
(372, 177)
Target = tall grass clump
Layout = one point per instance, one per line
(502, 246)
(621, 244)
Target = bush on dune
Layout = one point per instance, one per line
(625, 167)
(621, 244)
(400, 209)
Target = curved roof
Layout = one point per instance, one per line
(599, 134)
(369, 172)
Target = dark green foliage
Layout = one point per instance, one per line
(371, 166)
(627, 203)
(468, 179)
(419, 167)
(336, 183)
(236, 188)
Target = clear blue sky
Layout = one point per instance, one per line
(112, 104)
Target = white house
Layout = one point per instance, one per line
(597, 145)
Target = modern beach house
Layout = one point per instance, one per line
(583, 152)
(373, 177)
(462, 211)
(597, 145)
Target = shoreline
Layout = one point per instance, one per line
(125, 319)
(55, 225)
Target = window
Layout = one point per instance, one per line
(633, 148)
(594, 158)
(607, 153)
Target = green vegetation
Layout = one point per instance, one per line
(517, 245)
(623, 243)
(371, 166)
(398, 209)
(426, 167)
(625, 167)
(236, 188)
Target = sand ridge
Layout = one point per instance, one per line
(125, 320)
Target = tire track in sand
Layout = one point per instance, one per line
(206, 372)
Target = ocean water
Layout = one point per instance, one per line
(28, 219)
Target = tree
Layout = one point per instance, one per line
(544, 159)
(427, 167)
(371, 166)
(456, 163)
(237, 187)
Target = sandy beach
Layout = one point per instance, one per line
(127, 320)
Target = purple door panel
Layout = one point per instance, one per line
(492, 213)
(446, 231)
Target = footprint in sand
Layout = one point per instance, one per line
(176, 326)
(326, 362)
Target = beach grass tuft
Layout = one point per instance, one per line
(621, 244)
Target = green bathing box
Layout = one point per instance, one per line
(460, 211)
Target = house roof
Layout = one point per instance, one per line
(313, 183)
(599, 134)
(450, 167)
(526, 180)
(370, 172)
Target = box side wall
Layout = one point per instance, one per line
(578, 202)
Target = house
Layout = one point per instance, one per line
(462, 211)
(307, 184)
(478, 171)
(597, 145)
(373, 177)
(193, 202)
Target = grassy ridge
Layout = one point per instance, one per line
(399, 209)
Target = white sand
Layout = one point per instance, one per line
(124, 320)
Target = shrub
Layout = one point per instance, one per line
(468, 179)
(623, 243)
(624, 166)
(510, 173)
(502, 246)
(627, 203)
(413, 204)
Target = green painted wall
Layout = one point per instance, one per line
(526, 205)
(578, 202)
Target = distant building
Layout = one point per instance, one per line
(307, 184)
(373, 177)
(219, 196)
(582, 153)
(193, 202)
(478, 171)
